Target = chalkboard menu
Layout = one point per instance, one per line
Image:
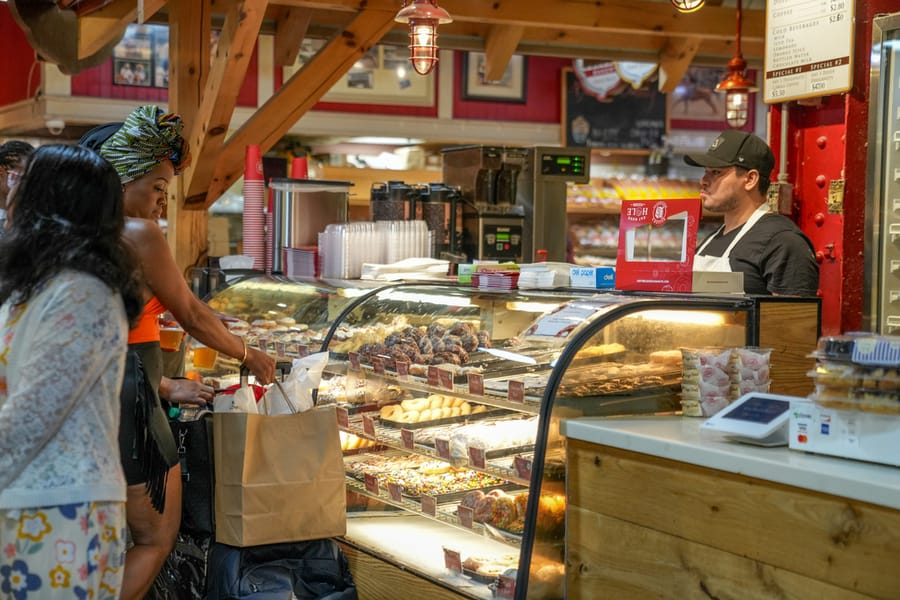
(625, 119)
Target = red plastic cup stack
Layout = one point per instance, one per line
(254, 207)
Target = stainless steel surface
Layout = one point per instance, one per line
(301, 209)
(881, 307)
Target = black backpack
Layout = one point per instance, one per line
(312, 570)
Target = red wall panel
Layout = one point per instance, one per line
(98, 82)
(20, 61)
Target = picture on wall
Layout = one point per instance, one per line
(695, 103)
(382, 75)
(509, 88)
(133, 57)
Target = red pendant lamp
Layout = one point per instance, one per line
(423, 17)
(736, 86)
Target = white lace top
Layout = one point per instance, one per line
(61, 364)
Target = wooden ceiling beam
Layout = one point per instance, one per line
(674, 60)
(100, 27)
(499, 46)
(227, 72)
(628, 16)
(298, 94)
(290, 29)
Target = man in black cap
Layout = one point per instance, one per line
(769, 249)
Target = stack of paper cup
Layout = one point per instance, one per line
(299, 168)
(254, 207)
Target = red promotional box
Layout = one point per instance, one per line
(656, 244)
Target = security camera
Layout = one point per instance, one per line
(55, 126)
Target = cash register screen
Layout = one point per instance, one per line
(758, 410)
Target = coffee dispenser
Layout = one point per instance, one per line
(515, 198)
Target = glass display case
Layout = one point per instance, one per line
(285, 317)
(454, 397)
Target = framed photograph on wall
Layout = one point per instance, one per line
(509, 88)
(381, 76)
(695, 103)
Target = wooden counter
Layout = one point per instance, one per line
(656, 510)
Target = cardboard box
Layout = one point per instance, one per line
(592, 277)
(657, 239)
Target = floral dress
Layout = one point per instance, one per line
(62, 491)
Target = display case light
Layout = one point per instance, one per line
(423, 17)
(682, 317)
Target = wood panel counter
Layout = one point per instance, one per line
(657, 509)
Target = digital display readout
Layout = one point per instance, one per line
(758, 410)
(563, 164)
(502, 237)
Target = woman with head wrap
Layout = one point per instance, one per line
(147, 151)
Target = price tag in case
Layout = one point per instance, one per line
(263, 344)
(409, 438)
(453, 560)
(402, 370)
(476, 384)
(429, 505)
(378, 365)
(523, 466)
(280, 349)
(354, 360)
(445, 379)
(343, 417)
(506, 587)
(466, 516)
(371, 483)
(476, 457)
(394, 491)
(369, 425)
(443, 448)
(433, 376)
(516, 392)
(303, 350)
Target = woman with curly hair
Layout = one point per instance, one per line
(68, 289)
(147, 151)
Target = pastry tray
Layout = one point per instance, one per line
(447, 421)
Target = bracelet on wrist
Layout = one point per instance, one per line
(244, 357)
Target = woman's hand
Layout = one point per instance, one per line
(261, 365)
(186, 391)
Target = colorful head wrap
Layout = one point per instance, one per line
(146, 138)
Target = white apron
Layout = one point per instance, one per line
(722, 264)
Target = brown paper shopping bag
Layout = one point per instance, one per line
(278, 478)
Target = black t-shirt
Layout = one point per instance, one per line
(774, 256)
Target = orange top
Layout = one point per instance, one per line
(147, 328)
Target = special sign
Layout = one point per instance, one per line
(809, 44)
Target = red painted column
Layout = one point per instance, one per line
(829, 141)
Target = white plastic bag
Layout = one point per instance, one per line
(305, 375)
(243, 400)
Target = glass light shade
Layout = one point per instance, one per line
(688, 6)
(423, 46)
(423, 17)
(737, 110)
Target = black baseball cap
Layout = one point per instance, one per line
(738, 148)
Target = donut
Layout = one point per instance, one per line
(286, 321)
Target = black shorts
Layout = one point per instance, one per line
(151, 357)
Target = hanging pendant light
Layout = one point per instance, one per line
(736, 86)
(688, 6)
(423, 17)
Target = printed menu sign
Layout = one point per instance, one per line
(809, 49)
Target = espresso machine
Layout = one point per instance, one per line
(514, 198)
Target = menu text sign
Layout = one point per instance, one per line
(809, 48)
